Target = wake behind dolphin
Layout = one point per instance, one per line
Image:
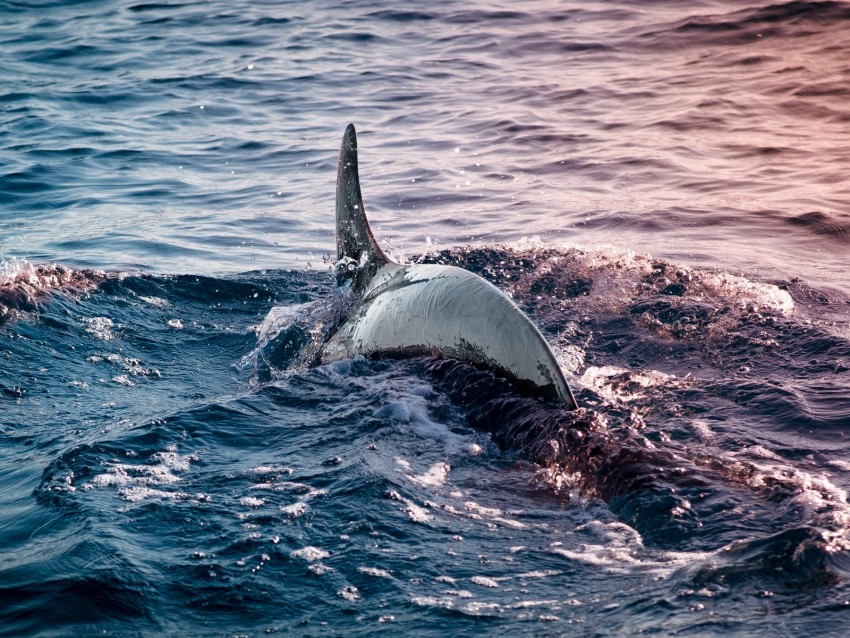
(486, 357)
(664, 492)
(428, 309)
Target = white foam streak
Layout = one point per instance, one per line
(139, 482)
(618, 549)
(620, 385)
(820, 502)
(310, 554)
(435, 476)
(374, 571)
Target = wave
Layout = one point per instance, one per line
(745, 26)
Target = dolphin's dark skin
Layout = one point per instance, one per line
(426, 309)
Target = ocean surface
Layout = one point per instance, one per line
(662, 186)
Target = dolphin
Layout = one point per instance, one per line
(428, 309)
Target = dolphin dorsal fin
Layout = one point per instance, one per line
(357, 253)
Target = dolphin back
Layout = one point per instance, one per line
(429, 309)
(358, 256)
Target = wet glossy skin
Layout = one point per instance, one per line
(448, 311)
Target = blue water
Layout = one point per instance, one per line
(660, 186)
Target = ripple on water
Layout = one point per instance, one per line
(146, 491)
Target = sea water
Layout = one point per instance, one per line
(661, 186)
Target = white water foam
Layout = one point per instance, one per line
(141, 482)
(619, 276)
(623, 386)
(617, 548)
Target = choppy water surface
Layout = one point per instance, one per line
(661, 187)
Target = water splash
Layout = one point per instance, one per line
(290, 338)
(24, 287)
